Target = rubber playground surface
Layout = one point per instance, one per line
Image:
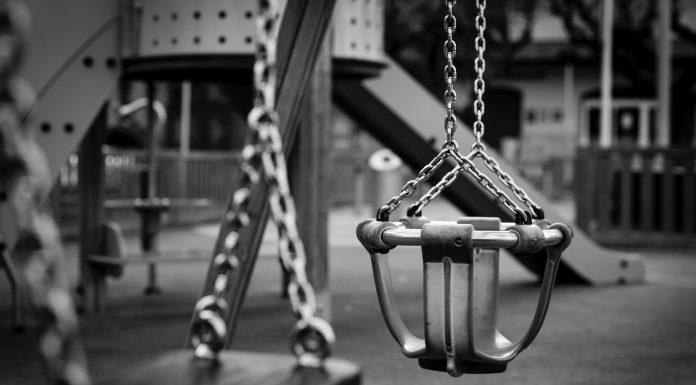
(641, 334)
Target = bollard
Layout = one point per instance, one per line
(388, 178)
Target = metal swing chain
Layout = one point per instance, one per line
(463, 163)
(450, 122)
(312, 337)
(450, 50)
(24, 183)
(450, 147)
(479, 149)
(479, 82)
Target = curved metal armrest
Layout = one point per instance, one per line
(501, 350)
(369, 233)
(410, 345)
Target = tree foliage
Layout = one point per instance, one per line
(634, 52)
(415, 36)
(634, 33)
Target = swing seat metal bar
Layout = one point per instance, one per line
(401, 236)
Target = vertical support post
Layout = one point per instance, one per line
(151, 143)
(91, 198)
(150, 215)
(605, 136)
(184, 138)
(664, 73)
(569, 104)
(309, 164)
(644, 126)
(584, 126)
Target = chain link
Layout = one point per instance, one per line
(465, 164)
(479, 83)
(312, 337)
(450, 50)
(450, 122)
(507, 180)
(24, 183)
(410, 187)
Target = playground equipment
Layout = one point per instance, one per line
(33, 234)
(460, 260)
(150, 206)
(91, 68)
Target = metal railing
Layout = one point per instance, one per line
(193, 176)
(635, 197)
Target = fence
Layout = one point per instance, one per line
(196, 175)
(637, 197)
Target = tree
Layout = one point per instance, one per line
(415, 36)
(634, 53)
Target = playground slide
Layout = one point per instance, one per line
(405, 117)
(72, 65)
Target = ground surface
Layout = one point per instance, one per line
(644, 334)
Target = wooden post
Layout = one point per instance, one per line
(605, 136)
(664, 73)
(91, 198)
(309, 181)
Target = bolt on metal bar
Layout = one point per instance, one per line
(483, 239)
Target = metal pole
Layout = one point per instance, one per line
(148, 231)
(184, 138)
(569, 104)
(664, 73)
(605, 137)
(483, 239)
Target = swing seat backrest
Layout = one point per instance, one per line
(237, 368)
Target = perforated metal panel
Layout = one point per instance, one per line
(359, 30)
(185, 27)
(73, 64)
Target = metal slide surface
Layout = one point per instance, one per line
(405, 117)
(72, 63)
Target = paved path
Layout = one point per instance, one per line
(612, 335)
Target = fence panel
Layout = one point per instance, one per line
(637, 197)
(197, 175)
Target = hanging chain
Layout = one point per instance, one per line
(33, 236)
(479, 83)
(506, 179)
(465, 164)
(450, 122)
(312, 337)
(450, 50)
(478, 148)
(469, 167)
(410, 187)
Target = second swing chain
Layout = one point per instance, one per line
(312, 337)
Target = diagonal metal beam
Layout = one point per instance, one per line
(302, 30)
